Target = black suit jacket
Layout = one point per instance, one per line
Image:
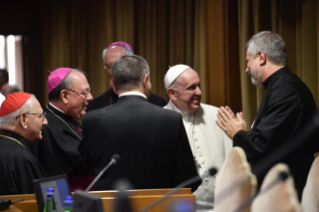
(109, 97)
(151, 141)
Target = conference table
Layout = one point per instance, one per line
(138, 198)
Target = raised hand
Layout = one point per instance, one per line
(230, 123)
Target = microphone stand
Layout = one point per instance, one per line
(113, 161)
(211, 172)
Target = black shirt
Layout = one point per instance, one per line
(285, 108)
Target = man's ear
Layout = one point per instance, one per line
(23, 120)
(262, 58)
(145, 80)
(172, 93)
(65, 96)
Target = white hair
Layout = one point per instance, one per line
(10, 118)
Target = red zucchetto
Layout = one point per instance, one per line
(13, 102)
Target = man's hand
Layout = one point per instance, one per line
(230, 123)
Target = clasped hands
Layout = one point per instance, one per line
(230, 123)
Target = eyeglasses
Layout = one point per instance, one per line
(39, 115)
(108, 66)
(84, 93)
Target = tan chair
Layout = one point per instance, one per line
(281, 197)
(234, 182)
(310, 196)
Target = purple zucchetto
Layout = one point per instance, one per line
(121, 43)
(56, 77)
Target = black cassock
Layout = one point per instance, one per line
(57, 151)
(286, 107)
(18, 166)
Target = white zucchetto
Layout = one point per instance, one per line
(174, 72)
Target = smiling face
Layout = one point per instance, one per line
(187, 94)
(77, 101)
(33, 122)
(253, 70)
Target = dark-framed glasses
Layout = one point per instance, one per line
(39, 115)
(81, 93)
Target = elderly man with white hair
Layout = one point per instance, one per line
(208, 142)
(21, 122)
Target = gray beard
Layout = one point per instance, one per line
(255, 78)
(257, 83)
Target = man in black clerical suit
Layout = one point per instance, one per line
(151, 141)
(21, 121)
(110, 96)
(69, 94)
(286, 107)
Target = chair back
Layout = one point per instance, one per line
(310, 195)
(234, 182)
(281, 197)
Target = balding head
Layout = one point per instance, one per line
(112, 53)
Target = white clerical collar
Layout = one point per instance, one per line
(55, 107)
(132, 93)
(183, 113)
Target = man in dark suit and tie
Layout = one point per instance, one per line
(151, 141)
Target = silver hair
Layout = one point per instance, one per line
(10, 119)
(127, 50)
(271, 44)
(128, 72)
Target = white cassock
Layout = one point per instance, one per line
(210, 146)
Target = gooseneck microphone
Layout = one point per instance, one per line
(114, 160)
(282, 176)
(211, 172)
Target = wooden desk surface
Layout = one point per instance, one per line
(12, 209)
(139, 199)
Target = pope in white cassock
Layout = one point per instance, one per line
(209, 144)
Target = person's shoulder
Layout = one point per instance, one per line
(54, 121)
(49, 115)
(165, 112)
(99, 101)
(102, 95)
(209, 108)
(157, 100)
(96, 113)
(13, 151)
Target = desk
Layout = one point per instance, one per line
(139, 199)
(12, 209)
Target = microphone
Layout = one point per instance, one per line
(282, 176)
(114, 160)
(211, 172)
